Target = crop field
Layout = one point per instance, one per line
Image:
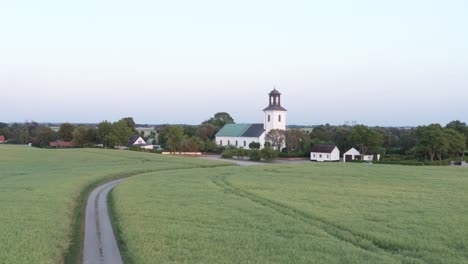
(312, 213)
(40, 188)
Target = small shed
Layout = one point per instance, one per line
(351, 154)
(2, 139)
(325, 153)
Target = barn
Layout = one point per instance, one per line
(325, 153)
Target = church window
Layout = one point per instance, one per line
(237, 143)
(229, 142)
(269, 118)
(221, 142)
(279, 118)
(245, 143)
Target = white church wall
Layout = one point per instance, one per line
(231, 141)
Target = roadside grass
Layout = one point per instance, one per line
(43, 193)
(313, 213)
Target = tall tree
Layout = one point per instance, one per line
(66, 131)
(293, 139)
(431, 140)
(206, 131)
(122, 132)
(104, 131)
(455, 140)
(364, 138)
(130, 123)
(80, 136)
(220, 119)
(174, 136)
(461, 128)
(277, 138)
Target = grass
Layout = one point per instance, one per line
(313, 213)
(43, 192)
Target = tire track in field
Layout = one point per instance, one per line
(339, 232)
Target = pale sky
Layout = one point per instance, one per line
(400, 62)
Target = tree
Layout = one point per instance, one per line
(456, 141)
(431, 140)
(220, 119)
(80, 136)
(122, 132)
(103, 132)
(206, 131)
(269, 153)
(174, 136)
(461, 128)
(130, 123)
(293, 139)
(191, 144)
(364, 138)
(277, 138)
(66, 131)
(44, 136)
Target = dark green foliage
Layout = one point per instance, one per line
(220, 119)
(254, 145)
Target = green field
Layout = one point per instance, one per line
(313, 213)
(40, 194)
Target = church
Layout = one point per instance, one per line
(241, 135)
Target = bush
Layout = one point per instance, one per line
(227, 154)
(255, 155)
(254, 145)
(268, 153)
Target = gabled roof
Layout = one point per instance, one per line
(323, 148)
(133, 139)
(352, 151)
(241, 130)
(255, 130)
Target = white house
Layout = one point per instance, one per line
(353, 154)
(138, 141)
(241, 135)
(325, 153)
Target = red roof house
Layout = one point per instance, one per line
(60, 144)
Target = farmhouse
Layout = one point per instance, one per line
(325, 153)
(2, 139)
(241, 135)
(138, 141)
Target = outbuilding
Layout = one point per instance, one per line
(325, 153)
(2, 139)
(138, 141)
(351, 155)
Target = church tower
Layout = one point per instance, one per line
(275, 114)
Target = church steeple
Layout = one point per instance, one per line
(275, 114)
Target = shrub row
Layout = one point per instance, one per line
(254, 154)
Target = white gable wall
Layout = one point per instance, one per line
(139, 141)
(352, 152)
(321, 156)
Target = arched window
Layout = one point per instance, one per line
(269, 118)
(245, 143)
(237, 143)
(221, 142)
(229, 142)
(279, 118)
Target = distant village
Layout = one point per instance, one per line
(272, 138)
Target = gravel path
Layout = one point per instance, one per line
(100, 245)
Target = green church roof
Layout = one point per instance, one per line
(233, 130)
